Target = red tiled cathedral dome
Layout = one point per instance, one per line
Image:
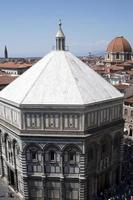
(119, 44)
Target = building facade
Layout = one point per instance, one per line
(61, 132)
(128, 116)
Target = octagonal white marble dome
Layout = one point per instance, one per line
(59, 78)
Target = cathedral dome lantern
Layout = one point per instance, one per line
(60, 38)
(118, 50)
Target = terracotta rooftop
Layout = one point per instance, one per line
(119, 44)
(6, 79)
(130, 81)
(98, 68)
(130, 72)
(13, 65)
(129, 100)
(121, 86)
(116, 67)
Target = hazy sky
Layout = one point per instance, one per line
(28, 27)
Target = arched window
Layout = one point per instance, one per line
(34, 155)
(52, 156)
(71, 159)
(71, 156)
(34, 158)
(52, 159)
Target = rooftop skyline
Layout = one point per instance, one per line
(28, 28)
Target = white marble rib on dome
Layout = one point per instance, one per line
(59, 78)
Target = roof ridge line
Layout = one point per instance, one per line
(35, 80)
(74, 80)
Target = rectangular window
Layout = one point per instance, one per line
(57, 169)
(113, 112)
(39, 156)
(71, 121)
(66, 157)
(108, 115)
(52, 155)
(71, 170)
(89, 121)
(92, 118)
(33, 120)
(34, 156)
(77, 170)
(53, 194)
(72, 194)
(46, 121)
(116, 112)
(104, 115)
(71, 157)
(76, 121)
(39, 168)
(65, 121)
(56, 121)
(38, 120)
(95, 121)
(14, 116)
(1, 110)
(51, 121)
(53, 169)
(36, 193)
(28, 120)
(101, 116)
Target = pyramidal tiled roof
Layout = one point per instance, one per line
(59, 78)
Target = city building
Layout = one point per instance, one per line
(5, 79)
(119, 50)
(128, 116)
(61, 130)
(14, 68)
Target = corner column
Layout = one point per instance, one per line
(82, 179)
(83, 189)
(24, 175)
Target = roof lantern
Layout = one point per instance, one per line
(60, 38)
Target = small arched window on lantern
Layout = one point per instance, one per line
(117, 55)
